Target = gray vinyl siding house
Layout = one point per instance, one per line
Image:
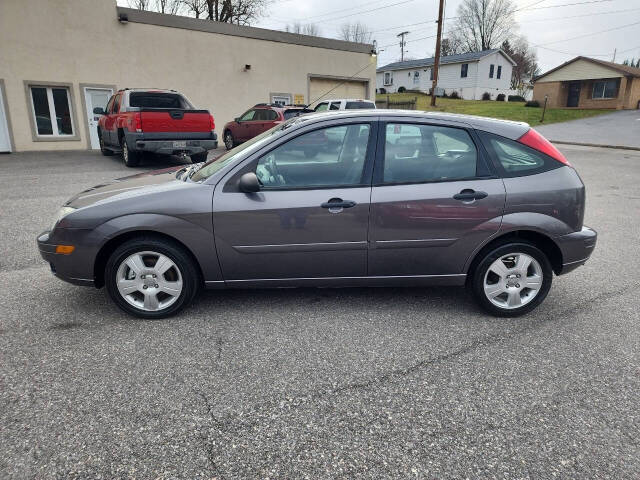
(468, 74)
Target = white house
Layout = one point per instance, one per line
(469, 74)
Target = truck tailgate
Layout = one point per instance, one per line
(174, 120)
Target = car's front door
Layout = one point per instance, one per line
(246, 125)
(110, 121)
(310, 218)
(433, 202)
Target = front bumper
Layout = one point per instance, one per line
(70, 268)
(576, 248)
(174, 146)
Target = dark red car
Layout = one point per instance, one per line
(258, 119)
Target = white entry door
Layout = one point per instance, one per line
(95, 97)
(5, 144)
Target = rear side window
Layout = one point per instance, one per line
(321, 107)
(272, 115)
(515, 158)
(428, 153)
(158, 100)
(359, 105)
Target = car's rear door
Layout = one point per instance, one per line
(309, 221)
(434, 199)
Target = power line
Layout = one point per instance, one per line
(588, 34)
(339, 84)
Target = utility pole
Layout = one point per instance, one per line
(615, 50)
(436, 62)
(402, 44)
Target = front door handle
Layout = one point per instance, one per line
(469, 194)
(335, 205)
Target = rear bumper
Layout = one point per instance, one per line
(173, 146)
(576, 248)
(71, 268)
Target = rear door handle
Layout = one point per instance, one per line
(469, 194)
(337, 204)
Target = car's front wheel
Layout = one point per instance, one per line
(512, 279)
(229, 141)
(151, 277)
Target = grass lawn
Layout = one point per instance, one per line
(490, 108)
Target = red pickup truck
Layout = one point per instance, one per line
(158, 121)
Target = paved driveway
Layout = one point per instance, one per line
(620, 128)
(318, 383)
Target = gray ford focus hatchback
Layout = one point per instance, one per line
(353, 198)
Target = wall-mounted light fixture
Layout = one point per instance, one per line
(123, 18)
(247, 67)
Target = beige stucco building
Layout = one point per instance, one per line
(589, 83)
(59, 57)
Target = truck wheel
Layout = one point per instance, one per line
(229, 142)
(105, 151)
(199, 157)
(131, 158)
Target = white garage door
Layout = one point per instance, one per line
(318, 87)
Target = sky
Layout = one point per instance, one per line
(558, 29)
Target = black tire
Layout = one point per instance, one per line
(199, 157)
(131, 157)
(480, 271)
(229, 141)
(105, 151)
(188, 272)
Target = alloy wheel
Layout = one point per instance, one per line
(149, 280)
(513, 280)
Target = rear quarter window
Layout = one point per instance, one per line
(516, 159)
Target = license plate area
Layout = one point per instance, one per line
(180, 144)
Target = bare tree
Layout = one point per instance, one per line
(304, 29)
(172, 7)
(450, 46)
(195, 7)
(355, 32)
(139, 4)
(526, 61)
(241, 12)
(483, 24)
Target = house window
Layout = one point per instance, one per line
(388, 78)
(499, 72)
(605, 89)
(51, 110)
(416, 77)
(464, 69)
(491, 67)
(431, 74)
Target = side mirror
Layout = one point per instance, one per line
(237, 119)
(98, 111)
(249, 183)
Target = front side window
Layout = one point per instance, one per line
(427, 153)
(52, 111)
(464, 70)
(517, 159)
(499, 72)
(247, 116)
(605, 89)
(334, 106)
(491, 67)
(110, 104)
(329, 157)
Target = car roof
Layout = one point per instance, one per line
(347, 100)
(506, 128)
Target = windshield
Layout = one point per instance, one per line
(212, 166)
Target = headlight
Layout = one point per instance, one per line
(60, 214)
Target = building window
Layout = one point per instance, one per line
(464, 69)
(416, 77)
(499, 72)
(51, 109)
(605, 89)
(491, 67)
(281, 98)
(431, 74)
(388, 78)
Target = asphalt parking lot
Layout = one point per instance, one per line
(310, 383)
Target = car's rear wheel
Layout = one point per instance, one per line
(105, 151)
(512, 279)
(229, 141)
(131, 157)
(151, 278)
(199, 157)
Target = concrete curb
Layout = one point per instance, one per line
(620, 147)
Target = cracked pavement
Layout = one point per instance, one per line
(318, 383)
